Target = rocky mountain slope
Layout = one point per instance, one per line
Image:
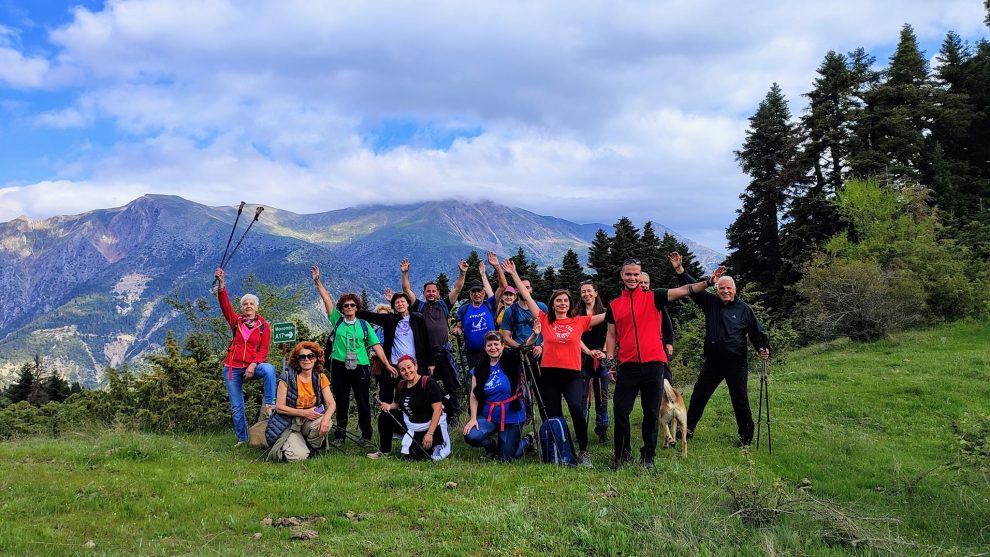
(87, 290)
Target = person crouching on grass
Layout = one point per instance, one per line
(417, 413)
(303, 406)
(496, 391)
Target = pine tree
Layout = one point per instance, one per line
(599, 255)
(473, 275)
(57, 389)
(771, 157)
(21, 388)
(571, 273)
(443, 285)
(546, 285)
(896, 117)
(364, 300)
(652, 258)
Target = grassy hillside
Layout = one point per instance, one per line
(871, 427)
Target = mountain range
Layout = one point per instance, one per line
(87, 291)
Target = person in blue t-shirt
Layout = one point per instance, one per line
(517, 322)
(497, 403)
(477, 318)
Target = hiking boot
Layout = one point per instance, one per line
(531, 447)
(377, 455)
(584, 459)
(602, 432)
(646, 461)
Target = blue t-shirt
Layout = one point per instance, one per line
(476, 322)
(520, 322)
(498, 389)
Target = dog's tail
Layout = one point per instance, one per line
(668, 389)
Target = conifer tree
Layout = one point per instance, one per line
(652, 258)
(571, 273)
(21, 388)
(443, 285)
(599, 255)
(771, 157)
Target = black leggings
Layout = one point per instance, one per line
(342, 382)
(556, 382)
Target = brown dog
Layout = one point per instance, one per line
(672, 415)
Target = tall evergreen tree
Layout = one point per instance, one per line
(600, 255)
(571, 273)
(652, 257)
(473, 275)
(443, 285)
(771, 157)
(547, 284)
(21, 388)
(897, 116)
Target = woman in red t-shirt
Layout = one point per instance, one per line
(561, 364)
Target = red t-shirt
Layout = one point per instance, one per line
(562, 341)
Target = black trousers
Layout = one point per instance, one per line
(646, 380)
(557, 382)
(390, 423)
(446, 374)
(386, 386)
(472, 358)
(735, 378)
(344, 381)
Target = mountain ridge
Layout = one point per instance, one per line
(87, 291)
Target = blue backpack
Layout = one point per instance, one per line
(555, 442)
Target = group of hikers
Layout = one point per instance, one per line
(521, 356)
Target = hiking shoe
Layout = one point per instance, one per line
(617, 463)
(531, 447)
(690, 434)
(240, 444)
(602, 432)
(337, 442)
(584, 459)
(744, 443)
(646, 461)
(365, 442)
(377, 455)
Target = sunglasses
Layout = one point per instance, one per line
(349, 306)
(304, 357)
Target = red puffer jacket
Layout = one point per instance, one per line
(244, 350)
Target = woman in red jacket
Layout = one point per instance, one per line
(245, 356)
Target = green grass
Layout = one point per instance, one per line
(869, 424)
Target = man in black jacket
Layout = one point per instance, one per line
(728, 321)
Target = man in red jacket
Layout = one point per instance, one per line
(634, 324)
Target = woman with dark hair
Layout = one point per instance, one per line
(496, 402)
(417, 413)
(347, 359)
(245, 356)
(595, 374)
(404, 334)
(561, 364)
(303, 406)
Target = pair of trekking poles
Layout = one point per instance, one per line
(226, 258)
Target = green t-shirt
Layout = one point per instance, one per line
(350, 336)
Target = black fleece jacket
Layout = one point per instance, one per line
(726, 327)
(388, 322)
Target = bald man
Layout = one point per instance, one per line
(728, 321)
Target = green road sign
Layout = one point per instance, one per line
(283, 332)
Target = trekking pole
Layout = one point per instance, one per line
(464, 376)
(232, 230)
(405, 430)
(764, 396)
(257, 214)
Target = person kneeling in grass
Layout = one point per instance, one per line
(417, 413)
(496, 389)
(302, 409)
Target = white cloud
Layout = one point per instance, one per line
(588, 110)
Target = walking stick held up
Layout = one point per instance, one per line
(764, 397)
(257, 214)
(240, 209)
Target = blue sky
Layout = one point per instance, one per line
(584, 111)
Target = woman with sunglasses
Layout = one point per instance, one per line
(350, 368)
(303, 406)
(561, 364)
(417, 413)
(245, 356)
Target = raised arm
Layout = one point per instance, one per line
(459, 283)
(502, 284)
(694, 288)
(406, 286)
(228, 310)
(324, 295)
(484, 279)
(521, 290)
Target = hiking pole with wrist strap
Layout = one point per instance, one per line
(257, 214)
(405, 430)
